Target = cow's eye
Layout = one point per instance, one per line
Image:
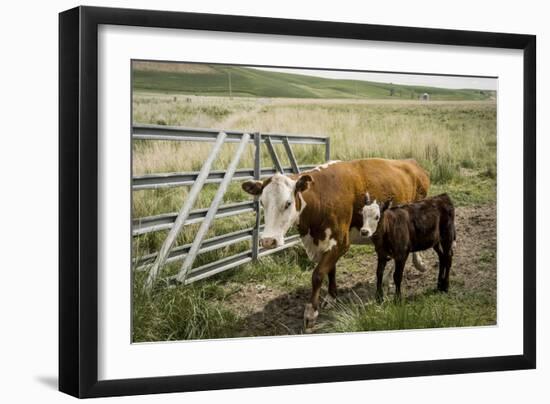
(287, 204)
(377, 217)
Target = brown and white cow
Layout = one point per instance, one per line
(398, 231)
(326, 204)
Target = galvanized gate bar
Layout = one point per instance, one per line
(185, 210)
(213, 268)
(189, 259)
(273, 154)
(162, 132)
(211, 244)
(168, 180)
(165, 221)
(289, 242)
(291, 157)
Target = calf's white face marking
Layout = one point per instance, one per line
(371, 217)
(279, 206)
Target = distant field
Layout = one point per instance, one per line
(454, 140)
(219, 80)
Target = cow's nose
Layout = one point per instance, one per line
(268, 242)
(365, 233)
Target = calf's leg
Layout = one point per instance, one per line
(398, 275)
(380, 278)
(442, 265)
(447, 244)
(448, 263)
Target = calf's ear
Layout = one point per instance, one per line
(303, 183)
(253, 187)
(387, 204)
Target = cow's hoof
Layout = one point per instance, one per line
(328, 302)
(310, 315)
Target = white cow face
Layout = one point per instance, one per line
(278, 196)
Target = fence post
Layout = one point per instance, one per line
(184, 211)
(327, 149)
(218, 197)
(257, 177)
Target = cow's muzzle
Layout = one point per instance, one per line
(365, 233)
(268, 242)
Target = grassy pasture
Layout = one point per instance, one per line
(455, 141)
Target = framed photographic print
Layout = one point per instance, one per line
(251, 201)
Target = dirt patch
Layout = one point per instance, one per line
(271, 311)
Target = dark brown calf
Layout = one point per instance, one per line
(400, 230)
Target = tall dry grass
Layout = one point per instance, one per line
(443, 137)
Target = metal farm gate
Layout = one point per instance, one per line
(174, 222)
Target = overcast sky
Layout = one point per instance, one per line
(455, 82)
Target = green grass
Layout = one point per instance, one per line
(429, 310)
(474, 190)
(287, 270)
(192, 312)
(249, 82)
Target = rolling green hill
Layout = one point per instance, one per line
(248, 82)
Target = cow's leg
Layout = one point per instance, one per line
(325, 265)
(418, 263)
(331, 297)
(380, 277)
(398, 275)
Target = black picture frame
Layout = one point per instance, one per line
(78, 201)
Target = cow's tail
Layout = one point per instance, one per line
(422, 181)
(418, 263)
(454, 236)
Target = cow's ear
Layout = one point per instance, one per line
(303, 183)
(253, 187)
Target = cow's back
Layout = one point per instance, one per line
(402, 180)
(337, 193)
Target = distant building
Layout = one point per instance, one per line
(425, 97)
